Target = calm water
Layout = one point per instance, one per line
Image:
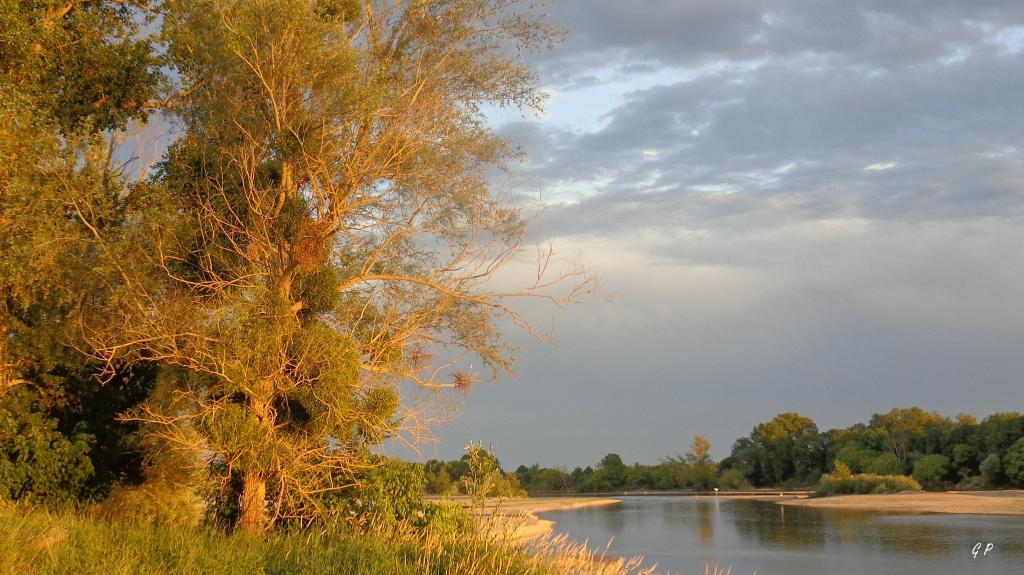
(680, 534)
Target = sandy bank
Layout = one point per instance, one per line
(776, 497)
(520, 514)
(964, 502)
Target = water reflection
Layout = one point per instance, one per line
(680, 533)
(766, 525)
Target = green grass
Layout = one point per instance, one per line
(37, 541)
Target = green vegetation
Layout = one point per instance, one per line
(1013, 463)
(939, 451)
(931, 470)
(862, 483)
(250, 304)
(213, 339)
(694, 471)
(36, 541)
(789, 451)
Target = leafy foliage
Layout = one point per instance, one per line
(931, 470)
(320, 231)
(70, 73)
(1013, 463)
(39, 463)
(991, 469)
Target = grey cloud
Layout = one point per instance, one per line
(878, 33)
(809, 205)
(934, 142)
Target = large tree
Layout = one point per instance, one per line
(322, 231)
(71, 74)
(788, 447)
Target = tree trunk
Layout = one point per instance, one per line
(253, 503)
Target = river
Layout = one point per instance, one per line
(681, 534)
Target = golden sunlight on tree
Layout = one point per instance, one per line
(322, 232)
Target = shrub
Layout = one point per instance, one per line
(931, 470)
(446, 519)
(38, 462)
(484, 477)
(1013, 463)
(861, 483)
(991, 469)
(841, 470)
(391, 493)
(733, 479)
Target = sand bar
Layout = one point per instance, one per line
(521, 513)
(959, 502)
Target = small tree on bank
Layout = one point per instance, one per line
(322, 231)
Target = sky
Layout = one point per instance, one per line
(809, 206)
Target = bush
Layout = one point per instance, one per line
(484, 477)
(446, 519)
(1013, 463)
(861, 483)
(39, 463)
(391, 494)
(841, 470)
(991, 469)
(931, 470)
(733, 479)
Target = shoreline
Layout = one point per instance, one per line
(532, 526)
(1008, 503)
(521, 513)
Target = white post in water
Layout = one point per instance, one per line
(716, 492)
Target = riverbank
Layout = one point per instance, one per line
(520, 514)
(955, 502)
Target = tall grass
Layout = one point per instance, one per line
(862, 483)
(36, 541)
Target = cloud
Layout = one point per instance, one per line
(795, 139)
(810, 205)
(874, 33)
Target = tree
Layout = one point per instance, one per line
(788, 447)
(72, 75)
(610, 474)
(901, 427)
(485, 477)
(931, 470)
(964, 459)
(695, 470)
(438, 480)
(885, 464)
(700, 451)
(991, 469)
(321, 232)
(1013, 463)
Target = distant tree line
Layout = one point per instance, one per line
(789, 451)
(693, 471)
(938, 451)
